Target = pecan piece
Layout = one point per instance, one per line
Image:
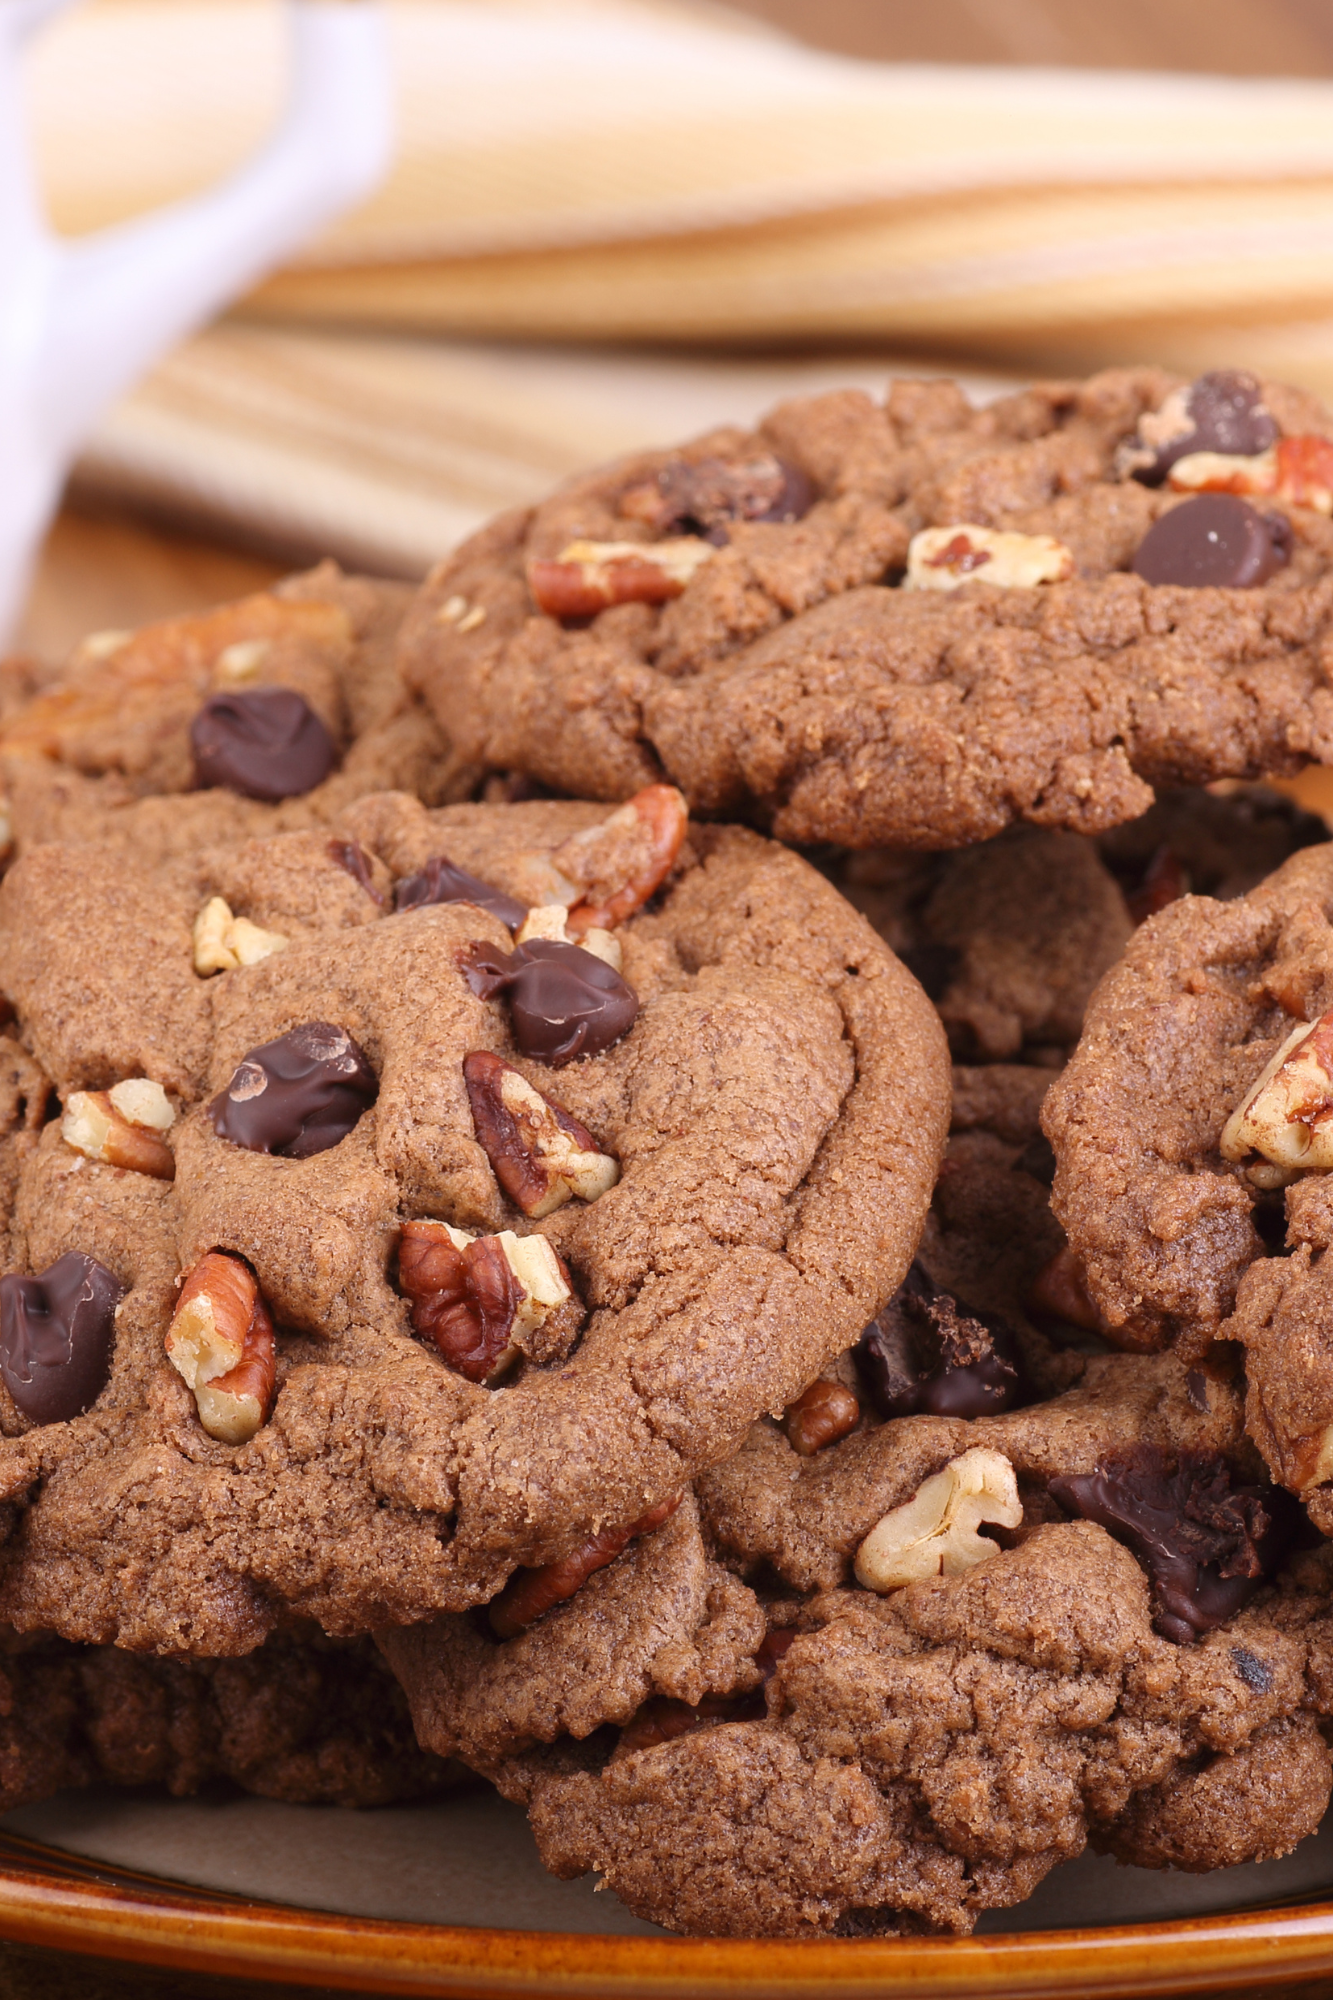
(1298, 470)
(587, 577)
(540, 1154)
(221, 1342)
(551, 921)
(475, 1296)
(824, 1413)
(1287, 1115)
(944, 558)
(122, 1127)
(618, 865)
(222, 941)
(935, 1533)
(531, 1592)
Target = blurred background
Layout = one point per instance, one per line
(614, 222)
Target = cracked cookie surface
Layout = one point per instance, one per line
(773, 667)
(776, 1113)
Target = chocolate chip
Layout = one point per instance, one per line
(704, 498)
(296, 1096)
(1217, 540)
(563, 1001)
(268, 744)
(1255, 1673)
(441, 882)
(927, 1352)
(351, 856)
(1196, 1390)
(1206, 1541)
(56, 1336)
(1226, 413)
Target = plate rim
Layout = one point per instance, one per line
(51, 1897)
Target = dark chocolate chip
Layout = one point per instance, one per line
(1226, 414)
(1255, 1673)
(563, 1001)
(268, 744)
(56, 1336)
(1206, 1541)
(1196, 1390)
(441, 882)
(1217, 540)
(927, 1352)
(298, 1095)
(932, 966)
(351, 856)
(704, 498)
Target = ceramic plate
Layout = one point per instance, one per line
(450, 1899)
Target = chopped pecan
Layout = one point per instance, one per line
(221, 1342)
(222, 941)
(1298, 470)
(541, 1155)
(587, 577)
(1287, 1114)
(825, 1412)
(122, 1127)
(1060, 1291)
(618, 865)
(531, 1592)
(551, 921)
(944, 558)
(474, 1296)
(935, 1532)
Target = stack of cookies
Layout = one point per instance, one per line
(686, 1171)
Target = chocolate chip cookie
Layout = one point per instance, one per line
(912, 623)
(302, 1719)
(271, 713)
(880, 1676)
(397, 1206)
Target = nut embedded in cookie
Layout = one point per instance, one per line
(473, 1295)
(1288, 1113)
(618, 865)
(821, 1414)
(220, 1342)
(935, 1532)
(540, 1154)
(944, 558)
(532, 1592)
(587, 577)
(122, 1127)
(222, 941)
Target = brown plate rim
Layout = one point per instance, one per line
(52, 1898)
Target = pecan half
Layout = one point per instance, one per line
(531, 1592)
(473, 1296)
(588, 577)
(935, 1532)
(618, 865)
(944, 558)
(122, 1127)
(541, 1155)
(824, 1413)
(222, 941)
(221, 1342)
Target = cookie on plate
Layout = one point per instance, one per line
(921, 1640)
(303, 1719)
(387, 1237)
(270, 713)
(912, 623)
(1194, 1167)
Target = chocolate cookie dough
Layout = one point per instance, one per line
(1191, 1134)
(303, 1720)
(268, 714)
(818, 1700)
(418, 1285)
(939, 620)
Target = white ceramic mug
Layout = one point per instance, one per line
(82, 319)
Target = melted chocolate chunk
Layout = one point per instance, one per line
(1206, 1542)
(56, 1336)
(1226, 414)
(441, 882)
(298, 1095)
(1217, 540)
(268, 744)
(351, 856)
(563, 1001)
(704, 498)
(928, 1352)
